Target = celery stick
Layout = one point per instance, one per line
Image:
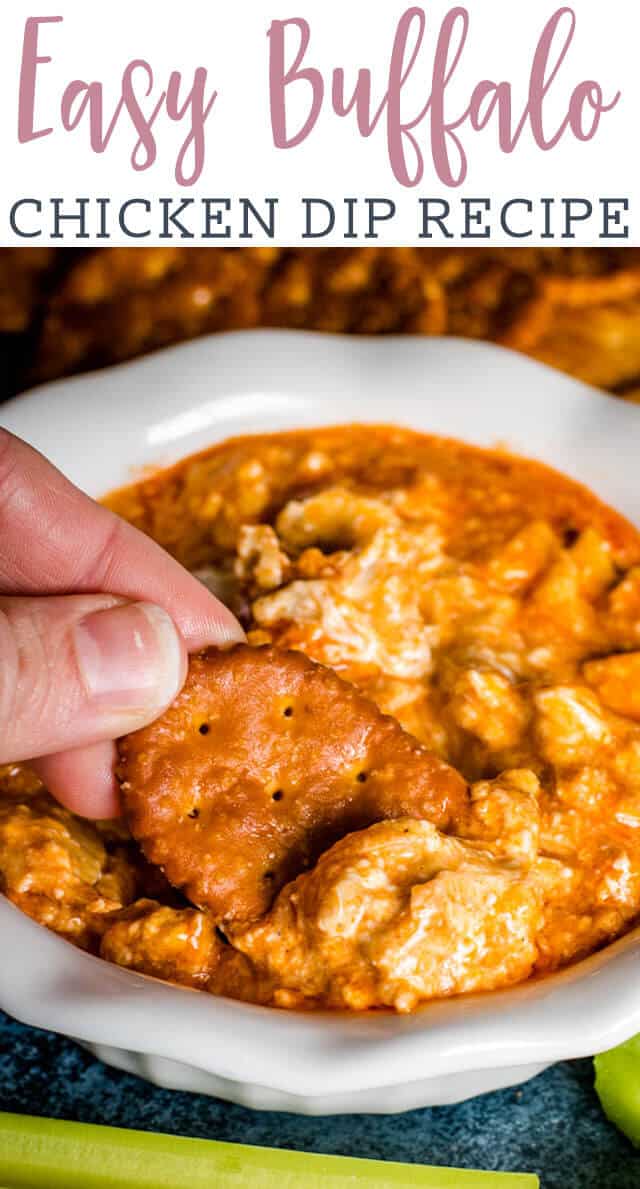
(618, 1086)
(48, 1154)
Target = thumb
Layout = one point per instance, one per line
(82, 668)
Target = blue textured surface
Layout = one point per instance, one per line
(552, 1125)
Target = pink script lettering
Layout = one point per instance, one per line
(584, 106)
(83, 103)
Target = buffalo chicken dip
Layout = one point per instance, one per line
(487, 604)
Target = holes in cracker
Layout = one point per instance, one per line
(194, 813)
(277, 795)
(288, 712)
(204, 728)
(361, 777)
(269, 875)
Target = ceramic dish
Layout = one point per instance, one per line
(100, 429)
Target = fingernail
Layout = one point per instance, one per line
(130, 656)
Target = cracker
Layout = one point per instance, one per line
(264, 760)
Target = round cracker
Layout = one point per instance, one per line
(263, 761)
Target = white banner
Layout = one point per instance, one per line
(318, 123)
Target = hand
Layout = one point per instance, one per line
(96, 621)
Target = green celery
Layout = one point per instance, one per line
(618, 1086)
(49, 1154)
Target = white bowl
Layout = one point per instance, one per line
(99, 429)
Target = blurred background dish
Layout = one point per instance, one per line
(69, 310)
